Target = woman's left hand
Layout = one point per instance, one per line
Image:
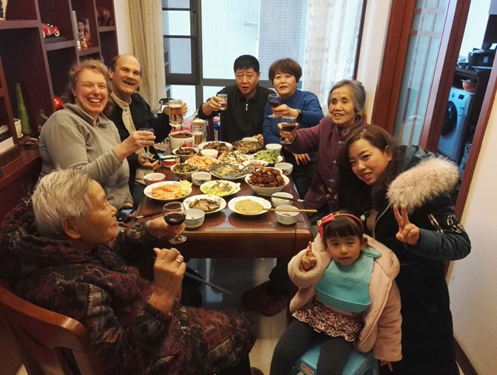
(147, 163)
(302, 159)
(159, 228)
(408, 232)
(284, 110)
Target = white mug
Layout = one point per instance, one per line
(18, 125)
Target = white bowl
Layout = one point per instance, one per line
(194, 218)
(274, 147)
(198, 178)
(184, 176)
(287, 218)
(250, 139)
(287, 168)
(280, 202)
(170, 160)
(152, 178)
(210, 153)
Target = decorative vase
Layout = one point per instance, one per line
(22, 112)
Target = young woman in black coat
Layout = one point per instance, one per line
(402, 194)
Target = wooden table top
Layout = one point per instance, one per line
(226, 234)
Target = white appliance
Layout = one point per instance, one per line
(455, 123)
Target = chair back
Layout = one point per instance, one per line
(210, 128)
(48, 343)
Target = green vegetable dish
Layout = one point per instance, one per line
(269, 156)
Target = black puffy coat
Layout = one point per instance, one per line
(424, 187)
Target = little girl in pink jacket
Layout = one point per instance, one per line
(347, 297)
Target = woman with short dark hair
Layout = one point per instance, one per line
(304, 106)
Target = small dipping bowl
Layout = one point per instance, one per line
(274, 147)
(152, 178)
(170, 160)
(194, 218)
(198, 178)
(287, 218)
(280, 202)
(286, 168)
(209, 153)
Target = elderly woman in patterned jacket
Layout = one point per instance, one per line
(62, 251)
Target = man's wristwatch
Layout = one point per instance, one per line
(300, 115)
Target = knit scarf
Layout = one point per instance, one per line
(126, 116)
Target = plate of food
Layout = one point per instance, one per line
(249, 205)
(267, 180)
(255, 163)
(230, 171)
(216, 145)
(233, 157)
(202, 162)
(207, 203)
(269, 156)
(185, 152)
(221, 188)
(165, 191)
(247, 146)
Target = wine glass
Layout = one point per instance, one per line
(288, 124)
(148, 154)
(274, 101)
(174, 215)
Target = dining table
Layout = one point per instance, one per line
(227, 234)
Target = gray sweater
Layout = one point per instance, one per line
(70, 140)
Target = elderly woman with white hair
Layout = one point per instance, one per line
(346, 100)
(62, 251)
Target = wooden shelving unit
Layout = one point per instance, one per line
(41, 69)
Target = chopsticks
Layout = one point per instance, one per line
(147, 215)
(288, 210)
(285, 198)
(186, 274)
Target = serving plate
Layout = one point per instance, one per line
(202, 145)
(194, 198)
(207, 185)
(265, 204)
(148, 190)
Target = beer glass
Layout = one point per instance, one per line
(223, 101)
(175, 114)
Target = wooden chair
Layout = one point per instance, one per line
(49, 343)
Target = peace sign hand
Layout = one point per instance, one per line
(308, 260)
(408, 232)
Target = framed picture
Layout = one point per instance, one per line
(84, 33)
(3, 10)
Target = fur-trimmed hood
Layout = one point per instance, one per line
(426, 180)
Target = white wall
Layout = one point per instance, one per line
(473, 280)
(123, 26)
(373, 40)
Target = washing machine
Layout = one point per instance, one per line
(455, 123)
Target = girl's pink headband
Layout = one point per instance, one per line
(332, 217)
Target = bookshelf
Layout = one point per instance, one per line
(41, 68)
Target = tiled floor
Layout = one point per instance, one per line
(238, 275)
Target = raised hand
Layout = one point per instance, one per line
(308, 260)
(302, 159)
(408, 232)
(389, 364)
(288, 135)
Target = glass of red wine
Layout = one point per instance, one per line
(287, 124)
(174, 215)
(274, 101)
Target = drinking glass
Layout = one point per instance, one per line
(174, 215)
(175, 113)
(148, 154)
(223, 101)
(274, 101)
(288, 124)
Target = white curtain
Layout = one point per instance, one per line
(148, 47)
(331, 44)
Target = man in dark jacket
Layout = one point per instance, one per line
(246, 101)
(131, 112)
